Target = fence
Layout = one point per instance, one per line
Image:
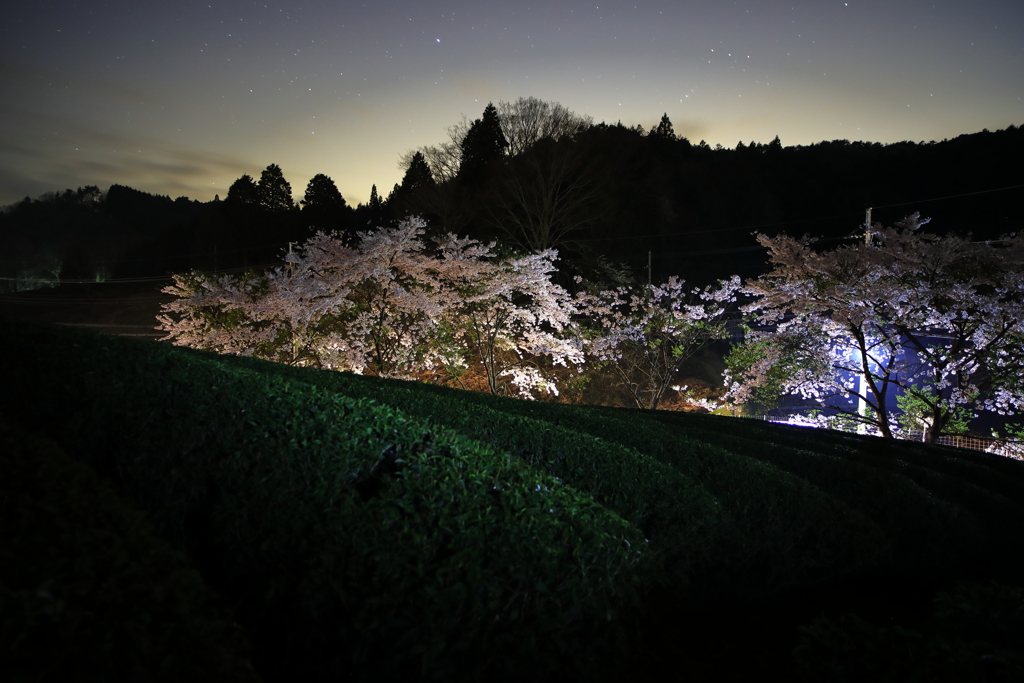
(987, 444)
(1010, 449)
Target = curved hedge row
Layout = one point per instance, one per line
(678, 517)
(88, 592)
(396, 530)
(349, 538)
(743, 526)
(940, 510)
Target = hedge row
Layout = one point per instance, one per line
(972, 634)
(942, 512)
(89, 592)
(904, 507)
(399, 530)
(348, 537)
(767, 530)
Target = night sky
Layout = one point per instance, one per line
(182, 98)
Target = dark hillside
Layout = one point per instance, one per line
(694, 207)
(609, 192)
(401, 531)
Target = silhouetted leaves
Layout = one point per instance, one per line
(274, 191)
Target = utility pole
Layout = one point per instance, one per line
(862, 380)
(648, 268)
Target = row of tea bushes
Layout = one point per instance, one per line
(89, 592)
(348, 537)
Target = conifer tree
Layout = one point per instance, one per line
(244, 192)
(417, 174)
(323, 207)
(322, 193)
(374, 204)
(484, 143)
(275, 192)
(664, 129)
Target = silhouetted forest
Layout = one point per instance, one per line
(533, 175)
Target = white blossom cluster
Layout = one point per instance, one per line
(395, 306)
(939, 317)
(391, 306)
(645, 336)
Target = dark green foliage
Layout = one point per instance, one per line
(275, 193)
(759, 530)
(244, 192)
(88, 592)
(322, 193)
(323, 207)
(400, 530)
(943, 509)
(926, 534)
(754, 500)
(371, 214)
(676, 515)
(975, 633)
(484, 143)
(695, 207)
(90, 235)
(349, 537)
(905, 507)
(253, 227)
(417, 192)
(418, 174)
(664, 129)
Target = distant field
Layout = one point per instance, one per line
(392, 530)
(128, 309)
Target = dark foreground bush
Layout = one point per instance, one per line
(744, 527)
(348, 538)
(939, 511)
(678, 517)
(975, 633)
(88, 592)
(394, 530)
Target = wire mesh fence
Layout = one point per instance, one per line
(1006, 447)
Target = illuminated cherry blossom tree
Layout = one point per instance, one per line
(509, 314)
(363, 309)
(939, 317)
(213, 313)
(391, 306)
(645, 336)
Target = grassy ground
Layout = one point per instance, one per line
(399, 530)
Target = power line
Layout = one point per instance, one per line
(796, 222)
(700, 232)
(951, 196)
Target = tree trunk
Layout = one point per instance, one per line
(936, 426)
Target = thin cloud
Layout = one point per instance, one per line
(196, 174)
